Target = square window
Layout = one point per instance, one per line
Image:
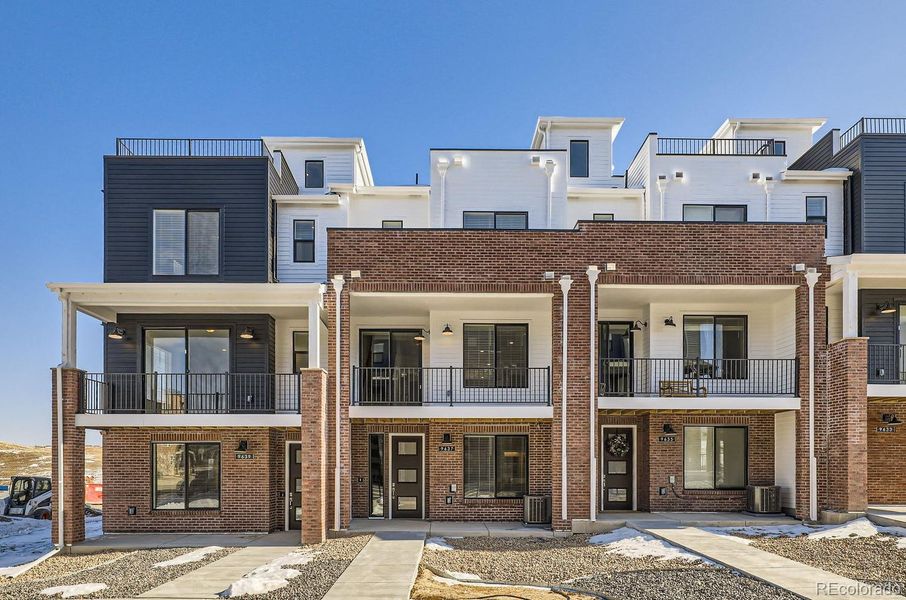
(407, 448)
(407, 503)
(407, 475)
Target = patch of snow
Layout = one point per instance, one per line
(767, 531)
(188, 557)
(635, 544)
(858, 528)
(72, 591)
(464, 576)
(94, 527)
(269, 577)
(437, 543)
(23, 540)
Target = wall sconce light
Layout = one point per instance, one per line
(887, 308)
(668, 322)
(668, 428)
(421, 336)
(447, 438)
(637, 326)
(247, 334)
(447, 330)
(243, 446)
(117, 333)
(891, 419)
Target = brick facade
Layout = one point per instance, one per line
(73, 458)
(886, 453)
(313, 390)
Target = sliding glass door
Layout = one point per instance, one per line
(390, 362)
(186, 369)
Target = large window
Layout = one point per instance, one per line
(495, 355)
(186, 476)
(718, 213)
(816, 210)
(494, 220)
(300, 351)
(578, 158)
(184, 360)
(314, 173)
(714, 458)
(495, 466)
(715, 346)
(186, 242)
(304, 240)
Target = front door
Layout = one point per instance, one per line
(618, 455)
(294, 485)
(407, 487)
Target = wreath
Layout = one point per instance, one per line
(618, 445)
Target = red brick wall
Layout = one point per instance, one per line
(886, 454)
(73, 459)
(314, 455)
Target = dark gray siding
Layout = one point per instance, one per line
(819, 156)
(851, 158)
(247, 356)
(134, 186)
(883, 193)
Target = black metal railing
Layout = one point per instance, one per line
(718, 146)
(416, 386)
(699, 377)
(203, 147)
(189, 393)
(873, 125)
(887, 363)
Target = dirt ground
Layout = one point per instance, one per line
(429, 587)
(16, 459)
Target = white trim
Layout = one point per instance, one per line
(825, 175)
(544, 124)
(390, 469)
(605, 193)
(635, 463)
(457, 411)
(287, 488)
(182, 420)
(412, 191)
(721, 286)
(730, 125)
(887, 389)
(700, 403)
(329, 199)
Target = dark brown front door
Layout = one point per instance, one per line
(294, 485)
(616, 469)
(407, 486)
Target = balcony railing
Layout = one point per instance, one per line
(681, 377)
(718, 146)
(189, 393)
(887, 363)
(873, 125)
(202, 147)
(418, 386)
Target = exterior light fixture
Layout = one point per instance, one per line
(668, 428)
(421, 336)
(247, 334)
(243, 446)
(447, 330)
(447, 438)
(210, 330)
(548, 276)
(887, 308)
(637, 326)
(117, 333)
(668, 322)
(891, 419)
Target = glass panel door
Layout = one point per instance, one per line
(208, 365)
(406, 359)
(375, 361)
(615, 342)
(165, 363)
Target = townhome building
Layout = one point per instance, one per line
(527, 335)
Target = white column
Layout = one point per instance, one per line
(68, 330)
(662, 191)
(811, 278)
(592, 273)
(549, 171)
(314, 333)
(338, 283)
(850, 304)
(565, 282)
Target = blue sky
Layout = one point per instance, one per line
(406, 77)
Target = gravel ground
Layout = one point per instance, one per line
(870, 559)
(572, 562)
(322, 572)
(125, 573)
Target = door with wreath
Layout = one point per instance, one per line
(617, 469)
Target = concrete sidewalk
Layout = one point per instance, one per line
(386, 568)
(806, 581)
(453, 528)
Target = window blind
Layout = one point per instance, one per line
(169, 242)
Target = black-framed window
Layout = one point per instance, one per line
(185, 476)
(495, 466)
(314, 173)
(779, 148)
(186, 242)
(475, 219)
(816, 211)
(578, 158)
(718, 213)
(602, 217)
(715, 457)
(304, 240)
(300, 351)
(715, 346)
(495, 355)
(391, 224)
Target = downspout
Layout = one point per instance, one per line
(811, 278)
(768, 183)
(593, 273)
(565, 282)
(338, 289)
(549, 171)
(662, 190)
(442, 166)
(59, 484)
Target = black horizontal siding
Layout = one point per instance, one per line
(246, 356)
(818, 157)
(884, 193)
(135, 186)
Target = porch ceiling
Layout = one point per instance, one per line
(412, 305)
(636, 296)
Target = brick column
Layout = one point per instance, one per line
(313, 408)
(846, 407)
(73, 460)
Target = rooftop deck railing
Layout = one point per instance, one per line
(198, 147)
(887, 363)
(873, 125)
(718, 146)
(189, 393)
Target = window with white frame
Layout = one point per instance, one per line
(186, 242)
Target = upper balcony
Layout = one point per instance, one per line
(192, 147)
(676, 146)
(873, 126)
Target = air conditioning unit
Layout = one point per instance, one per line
(537, 510)
(763, 499)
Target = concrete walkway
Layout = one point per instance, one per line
(889, 515)
(608, 521)
(386, 568)
(452, 528)
(806, 581)
(211, 579)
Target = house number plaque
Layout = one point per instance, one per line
(244, 456)
(666, 439)
(447, 448)
(886, 429)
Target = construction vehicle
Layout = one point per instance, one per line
(29, 497)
